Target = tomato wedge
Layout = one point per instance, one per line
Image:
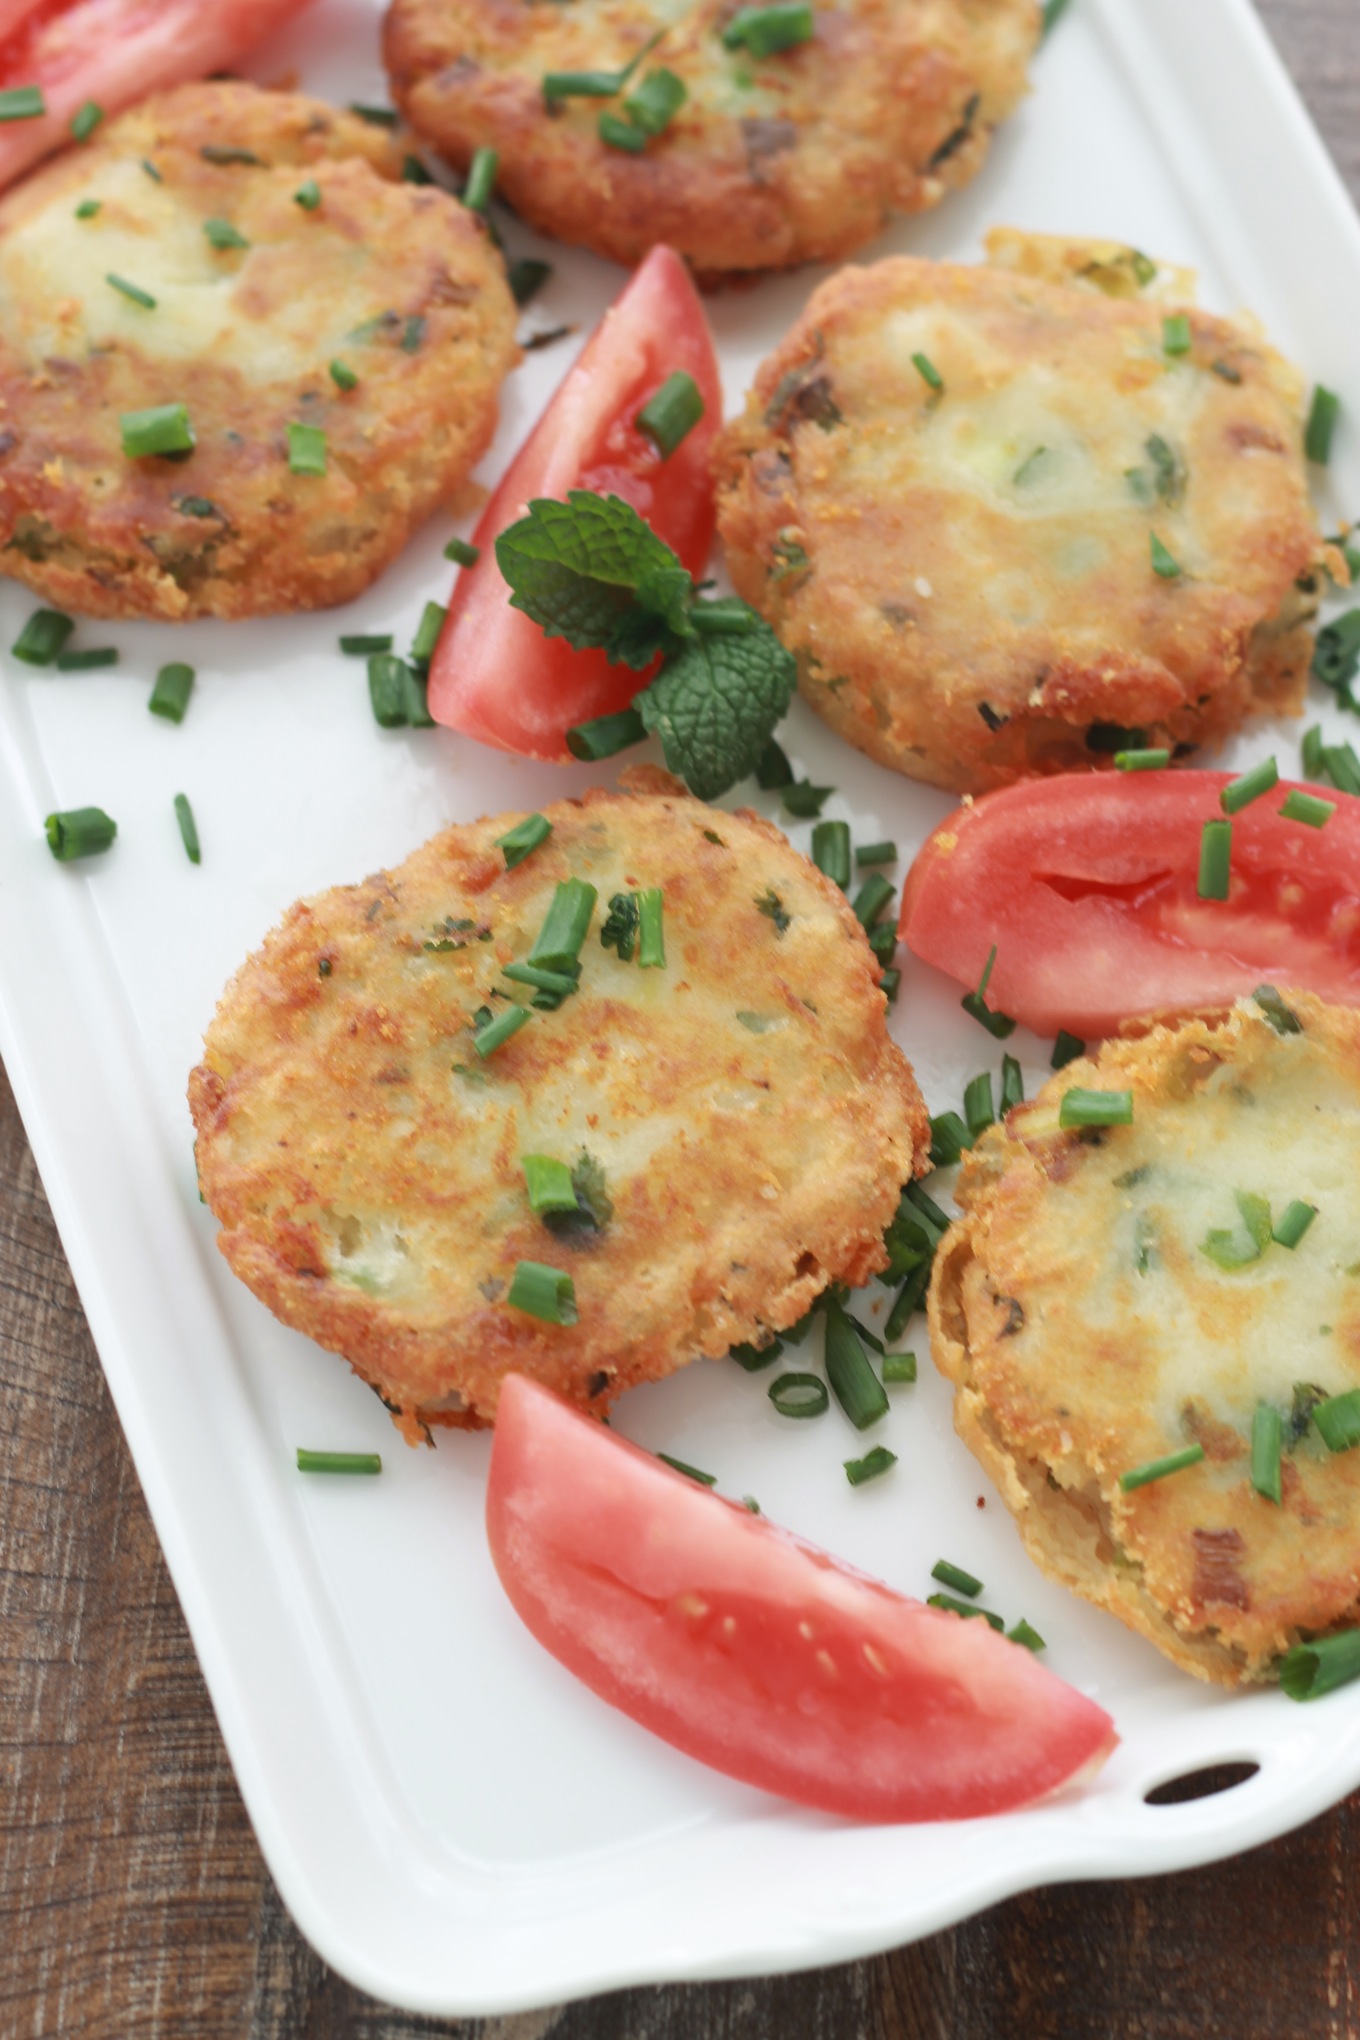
(757, 1653)
(115, 52)
(494, 675)
(1088, 887)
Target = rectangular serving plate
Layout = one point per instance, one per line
(455, 1824)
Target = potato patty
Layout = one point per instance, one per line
(1111, 1298)
(1011, 525)
(173, 261)
(796, 156)
(738, 1122)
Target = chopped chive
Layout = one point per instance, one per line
(196, 506)
(899, 1367)
(690, 1472)
(1153, 760)
(606, 735)
(1343, 765)
(805, 801)
(1307, 807)
(1314, 764)
(338, 1462)
(526, 278)
(1163, 562)
(1012, 1084)
(22, 102)
(42, 637)
(559, 982)
(464, 554)
(387, 690)
(188, 828)
(929, 374)
(876, 853)
(909, 1300)
(549, 1183)
(1176, 336)
(978, 1108)
(308, 195)
(857, 1471)
(163, 429)
(1311, 1669)
(1215, 858)
(517, 843)
(1053, 12)
(427, 630)
(651, 933)
(764, 31)
(222, 234)
(88, 207)
(224, 154)
(1238, 793)
(927, 1206)
(1024, 1632)
(1158, 1469)
(362, 645)
(1338, 1420)
(342, 375)
(544, 1292)
(831, 851)
(413, 171)
(133, 291)
(79, 832)
(170, 695)
(890, 983)
(956, 1607)
(799, 1395)
(1095, 1108)
(486, 1040)
(1226, 370)
(1293, 1223)
(857, 1388)
(657, 100)
(1336, 654)
(1322, 417)
(954, 1576)
(1267, 1432)
(948, 1139)
(86, 120)
(754, 1358)
(559, 940)
(619, 928)
(773, 770)
(306, 449)
(620, 134)
(480, 179)
(883, 940)
(87, 662)
(376, 116)
(998, 1025)
(1066, 1049)
(671, 412)
(872, 898)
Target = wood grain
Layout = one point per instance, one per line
(133, 1899)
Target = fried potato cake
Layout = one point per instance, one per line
(1113, 1297)
(737, 1123)
(254, 257)
(1011, 524)
(771, 160)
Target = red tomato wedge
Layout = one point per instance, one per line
(760, 1654)
(1088, 887)
(494, 675)
(115, 52)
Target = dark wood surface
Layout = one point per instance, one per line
(133, 1898)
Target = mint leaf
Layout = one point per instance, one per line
(714, 704)
(592, 571)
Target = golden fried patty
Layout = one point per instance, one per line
(803, 154)
(738, 1122)
(191, 201)
(1112, 1298)
(1007, 522)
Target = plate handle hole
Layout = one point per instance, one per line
(1201, 1784)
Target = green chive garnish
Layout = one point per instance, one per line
(22, 102)
(222, 234)
(671, 412)
(360, 646)
(558, 982)
(764, 31)
(1053, 11)
(1293, 1223)
(1322, 417)
(978, 1109)
(1251, 785)
(1176, 338)
(526, 278)
(87, 120)
(1012, 1084)
(387, 690)
(188, 828)
(1158, 1469)
(1215, 858)
(799, 1395)
(89, 661)
(883, 940)
(857, 1388)
(872, 899)
(480, 179)
(342, 375)
(998, 1025)
(909, 1301)
(876, 853)
(956, 1607)
(754, 1358)
(1095, 1108)
(899, 1367)
(164, 428)
(954, 1576)
(1066, 1049)
(79, 832)
(1338, 1420)
(1314, 764)
(929, 374)
(1142, 761)
(1343, 766)
(376, 116)
(620, 134)
(831, 851)
(87, 208)
(1311, 1669)
(132, 290)
(651, 933)
(416, 696)
(690, 1472)
(486, 1040)
(427, 631)
(464, 554)
(170, 695)
(1024, 1633)
(308, 195)
(1163, 562)
(338, 1462)
(549, 1183)
(857, 1471)
(948, 1139)
(805, 801)
(559, 940)
(1267, 1431)
(1307, 807)
(42, 637)
(890, 983)
(1273, 1009)
(606, 735)
(306, 449)
(525, 837)
(657, 100)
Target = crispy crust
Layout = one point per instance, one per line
(803, 156)
(244, 339)
(966, 576)
(1070, 1366)
(365, 1164)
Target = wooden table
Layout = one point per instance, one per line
(133, 1896)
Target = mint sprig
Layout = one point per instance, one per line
(592, 571)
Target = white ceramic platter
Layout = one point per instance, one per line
(455, 1824)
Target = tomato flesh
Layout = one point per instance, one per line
(1088, 887)
(494, 675)
(757, 1653)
